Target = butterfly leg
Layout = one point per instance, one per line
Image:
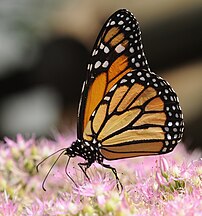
(84, 167)
(116, 176)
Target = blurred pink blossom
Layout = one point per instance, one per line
(156, 185)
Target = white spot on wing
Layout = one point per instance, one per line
(168, 136)
(120, 48)
(120, 22)
(102, 46)
(128, 29)
(129, 74)
(106, 49)
(105, 64)
(166, 143)
(131, 50)
(90, 68)
(93, 53)
(112, 89)
(83, 87)
(142, 78)
(123, 80)
(107, 98)
(155, 84)
(97, 64)
(87, 143)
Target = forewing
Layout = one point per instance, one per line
(140, 115)
(118, 50)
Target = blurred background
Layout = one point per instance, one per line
(45, 46)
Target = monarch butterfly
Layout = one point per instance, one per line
(125, 109)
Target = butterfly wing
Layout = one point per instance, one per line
(118, 50)
(140, 115)
(127, 109)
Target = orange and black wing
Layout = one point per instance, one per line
(139, 116)
(126, 109)
(117, 51)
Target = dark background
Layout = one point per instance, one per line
(45, 46)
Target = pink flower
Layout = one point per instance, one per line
(168, 185)
(7, 206)
(164, 167)
(66, 204)
(21, 143)
(160, 179)
(98, 186)
(64, 140)
(183, 205)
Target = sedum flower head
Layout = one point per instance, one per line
(168, 185)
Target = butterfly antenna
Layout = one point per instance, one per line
(37, 166)
(43, 183)
(68, 173)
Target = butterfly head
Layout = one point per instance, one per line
(73, 150)
(85, 150)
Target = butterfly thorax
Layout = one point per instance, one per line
(90, 152)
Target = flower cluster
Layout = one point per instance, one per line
(160, 185)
